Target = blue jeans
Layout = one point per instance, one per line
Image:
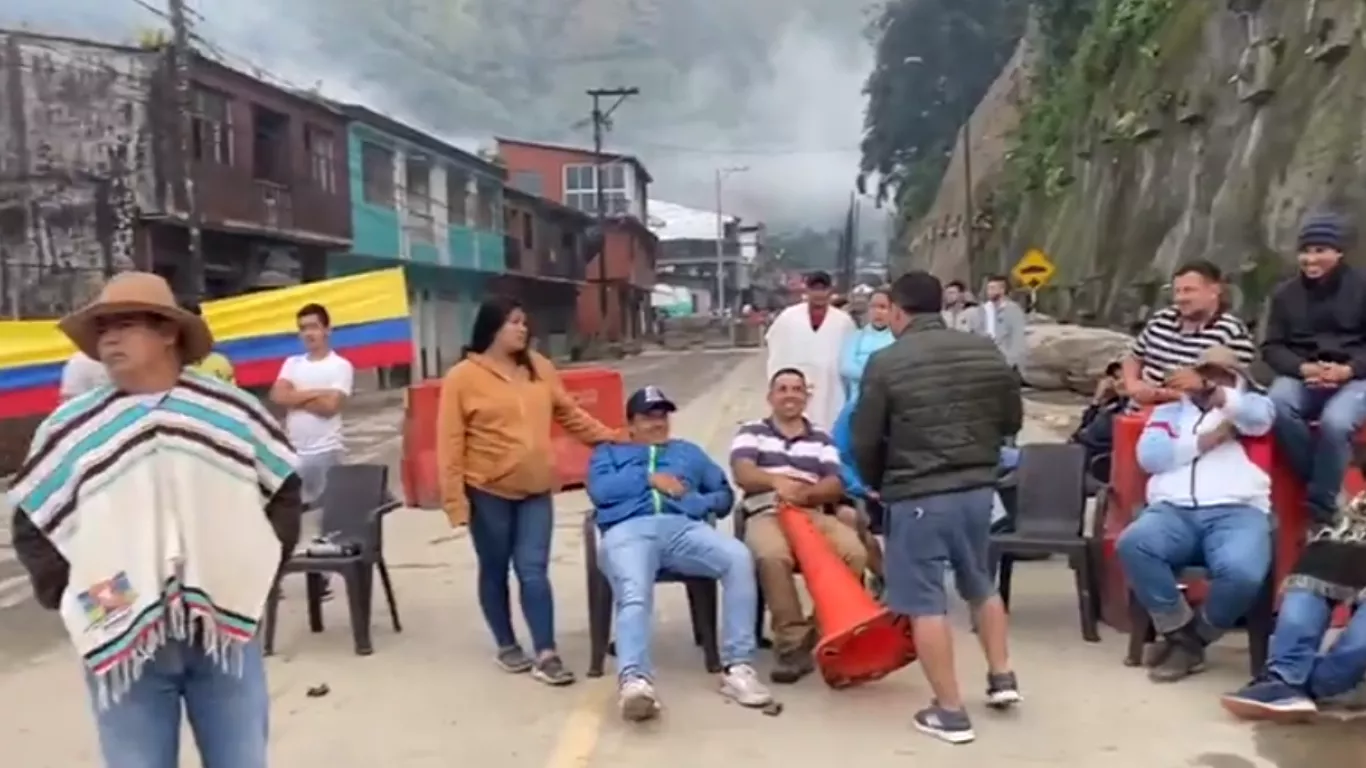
(1232, 542)
(515, 533)
(633, 552)
(1295, 659)
(229, 714)
(1320, 463)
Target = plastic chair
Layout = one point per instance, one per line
(354, 504)
(702, 605)
(1050, 514)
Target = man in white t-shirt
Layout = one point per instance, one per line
(81, 374)
(313, 387)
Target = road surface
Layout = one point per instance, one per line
(432, 698)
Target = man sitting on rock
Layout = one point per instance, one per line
(653, 499)
(1297, 679)
(1175, 337)
(1316, 344)
(1209, 501)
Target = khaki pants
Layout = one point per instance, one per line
(773, 557)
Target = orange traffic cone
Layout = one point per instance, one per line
(860, 640)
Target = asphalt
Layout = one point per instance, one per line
(430, 696)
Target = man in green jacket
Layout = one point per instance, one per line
(934, 410)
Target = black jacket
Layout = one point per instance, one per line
(933, 412)
(1318, 321)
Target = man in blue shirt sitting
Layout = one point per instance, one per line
(854, 490)
(654, 499)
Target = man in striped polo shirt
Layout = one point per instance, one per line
(1161, 364)
(785, 459)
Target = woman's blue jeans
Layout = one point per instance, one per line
(514, 533)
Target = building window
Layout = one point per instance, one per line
(418, 186)
(528, 231)
(322, 157)
(457, 197)
(487, 206)
(580, 192)
(211, 126)
(377, 174)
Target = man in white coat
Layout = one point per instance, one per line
(810, 337)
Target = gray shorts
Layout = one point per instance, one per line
(313, 480)
(928, 536)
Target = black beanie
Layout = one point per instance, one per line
(1323, 230)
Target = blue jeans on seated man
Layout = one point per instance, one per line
(1300, 628)
(1320, 461)
(228, 708)
(634, 551)
(1232, 542)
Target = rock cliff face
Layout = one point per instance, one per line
(1211, 139)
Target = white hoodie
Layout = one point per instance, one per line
(1183, 476)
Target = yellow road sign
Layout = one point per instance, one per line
(1034, 269)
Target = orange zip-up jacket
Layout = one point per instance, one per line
(493, 430)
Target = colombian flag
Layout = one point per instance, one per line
(370, 327)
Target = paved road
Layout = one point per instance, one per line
(373, 435)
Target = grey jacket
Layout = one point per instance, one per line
(1010, 328)
(933, 412)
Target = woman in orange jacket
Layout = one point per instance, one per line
(498, 474)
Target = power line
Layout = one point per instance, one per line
(748, 151)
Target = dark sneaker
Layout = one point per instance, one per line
(1183, 659)
(551, 671)
(513, 660)
(1003, 690)
(1269, 698)
(947, 725)
(638, 700)
(791, 667)
(1156, 653)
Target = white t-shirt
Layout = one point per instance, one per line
(312, 434)
(82, 374)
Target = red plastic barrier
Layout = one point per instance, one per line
(599, 391)
(421, 481)
(1129, 485)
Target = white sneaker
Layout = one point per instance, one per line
(637, 700)
(741, 683)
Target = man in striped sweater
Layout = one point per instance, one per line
(1161, 363)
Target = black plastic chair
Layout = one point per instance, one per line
(702, 605)
(1259, 622)
(1050, 514)
(354, 504)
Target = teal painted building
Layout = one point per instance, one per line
(436, 210)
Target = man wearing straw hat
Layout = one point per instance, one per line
(153, 513)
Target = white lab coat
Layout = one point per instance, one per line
(816, 353)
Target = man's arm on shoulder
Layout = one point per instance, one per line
(744, 463)
(868, 423)
(608, 484)
(1162, 447)
(1252, 413)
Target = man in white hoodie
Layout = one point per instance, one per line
(1209, 502)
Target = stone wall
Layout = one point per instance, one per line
(75, 166)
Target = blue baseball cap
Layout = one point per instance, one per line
(647, 399)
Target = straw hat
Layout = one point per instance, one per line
(134, 292)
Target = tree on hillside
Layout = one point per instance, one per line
(935, 60)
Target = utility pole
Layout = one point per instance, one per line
(602, 122)
(190, 273)
(721, 174)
